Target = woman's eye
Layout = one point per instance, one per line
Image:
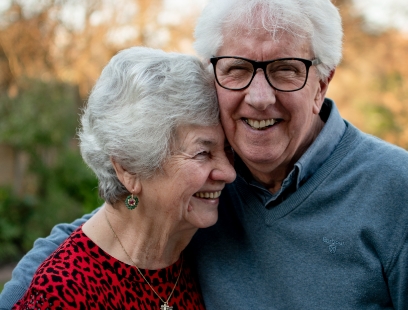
(202, 154)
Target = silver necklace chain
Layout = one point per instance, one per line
(165, 305)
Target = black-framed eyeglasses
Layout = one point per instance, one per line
(283, 74)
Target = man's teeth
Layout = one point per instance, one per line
(210, 195)
(260, 124)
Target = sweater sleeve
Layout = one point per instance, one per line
(27, 266)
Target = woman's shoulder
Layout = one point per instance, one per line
(55, 279)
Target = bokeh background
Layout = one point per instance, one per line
(52, 52)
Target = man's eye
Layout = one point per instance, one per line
(237, 69)
(283, 68)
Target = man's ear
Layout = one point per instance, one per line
(129, 180)
(321, 92)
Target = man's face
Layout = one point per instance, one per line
(270, 152)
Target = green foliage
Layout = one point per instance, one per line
(43, 114)
(41, 122)
(14, 214)
(392, 82)
(78, 181)
(380, 121)
(69, 190)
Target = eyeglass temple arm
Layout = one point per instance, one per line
(316, 62)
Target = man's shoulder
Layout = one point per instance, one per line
(375, 159)
(377, 147)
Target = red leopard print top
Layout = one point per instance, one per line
(80, 275)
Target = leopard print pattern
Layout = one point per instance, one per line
(80, 275)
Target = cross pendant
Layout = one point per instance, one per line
(166, 306)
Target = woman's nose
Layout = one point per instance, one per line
(224, 171)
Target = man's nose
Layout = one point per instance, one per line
(260, 94)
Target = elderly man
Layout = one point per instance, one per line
(317, 217)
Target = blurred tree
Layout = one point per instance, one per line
(371, 84)
(72, 40)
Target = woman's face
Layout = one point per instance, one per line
(188, 189)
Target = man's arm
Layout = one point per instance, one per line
(27, 266)
(397, 275)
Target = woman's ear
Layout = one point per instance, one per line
(129, 180)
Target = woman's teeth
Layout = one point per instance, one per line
(208, 195)
(260, 124)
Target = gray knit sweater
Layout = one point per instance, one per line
(340, 241)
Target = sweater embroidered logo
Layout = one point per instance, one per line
(333, 244)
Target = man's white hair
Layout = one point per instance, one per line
(316, 20)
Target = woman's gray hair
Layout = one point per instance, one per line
(317, 20)
(142, 96)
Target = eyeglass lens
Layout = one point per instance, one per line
(285, 75)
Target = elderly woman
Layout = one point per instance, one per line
(151, 134)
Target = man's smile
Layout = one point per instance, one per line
(261, 124)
